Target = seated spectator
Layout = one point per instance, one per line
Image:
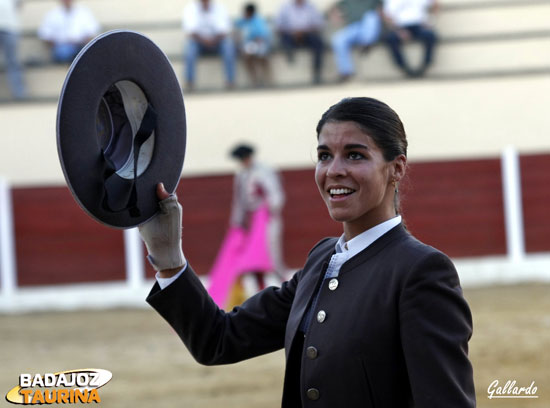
(255, 45)
(362, 28)
(299, 24)
(67, 29)
(208, 28)
(8, 43)
(406, 20)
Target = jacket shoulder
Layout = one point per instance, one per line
(326, 244)
(410, 246)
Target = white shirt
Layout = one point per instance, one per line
(347, 250)
(75, 25)
(293, 17)
(8, 15)
(408, 12)
(206, 23)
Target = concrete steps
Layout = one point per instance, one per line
(453, 60)
(477, 39)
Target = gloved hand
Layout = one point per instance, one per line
(162, 233)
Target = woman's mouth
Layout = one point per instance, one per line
(342, 192)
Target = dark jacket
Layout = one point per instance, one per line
(393, 333)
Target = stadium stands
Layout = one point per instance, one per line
(478, 39)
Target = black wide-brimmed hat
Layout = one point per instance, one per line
(121, 108)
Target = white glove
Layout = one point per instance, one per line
(162, 236)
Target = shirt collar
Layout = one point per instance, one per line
(363, 240)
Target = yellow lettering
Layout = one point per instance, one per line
(94, 396)
(62, 396)
(26, 394)
(79, 395)
(37, 398)
(50, 399)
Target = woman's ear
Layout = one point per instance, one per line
(399, 165)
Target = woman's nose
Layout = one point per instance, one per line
(336, 168)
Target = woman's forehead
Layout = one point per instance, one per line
(343, 133)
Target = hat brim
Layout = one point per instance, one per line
(109, 58)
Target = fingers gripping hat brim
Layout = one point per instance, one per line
(127, 67)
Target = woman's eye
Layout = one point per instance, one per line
(322, 156)
(356, 156)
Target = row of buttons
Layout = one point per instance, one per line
(322, 315)
(311, 352)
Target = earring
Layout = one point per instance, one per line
(394, 184)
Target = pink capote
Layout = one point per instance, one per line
(241, 252)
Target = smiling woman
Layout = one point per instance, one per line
(354, 178)
(375, 318)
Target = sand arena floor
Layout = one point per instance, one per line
(152, 368)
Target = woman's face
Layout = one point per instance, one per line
(354, 179)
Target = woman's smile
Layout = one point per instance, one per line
(338, 193)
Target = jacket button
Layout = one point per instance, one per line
(311, 352)
(313, 394)
(321, 316)
(333, 284)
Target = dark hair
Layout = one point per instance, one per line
(250, 8)
(375, 118)
(242, 151)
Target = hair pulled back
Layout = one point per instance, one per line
(375, 118)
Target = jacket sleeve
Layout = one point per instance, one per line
(436, 324)
(217, 337)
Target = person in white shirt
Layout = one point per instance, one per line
(299, 24)
(208, 28)
(406, 20)
(9, 38)
(67, 29)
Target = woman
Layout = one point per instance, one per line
(374, 318)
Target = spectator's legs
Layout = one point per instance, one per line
(191, 54)
(227, 50)
(315, 42)
(342, 42)
(65, 53)
(370, 28)
(364, 32)
(250, 65)
(8, 41)
(428, 38)
(394, 42)
(265, 66)
(288, 44)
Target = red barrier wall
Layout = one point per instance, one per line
(455, 206)
(535, 185)
(56, 242)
